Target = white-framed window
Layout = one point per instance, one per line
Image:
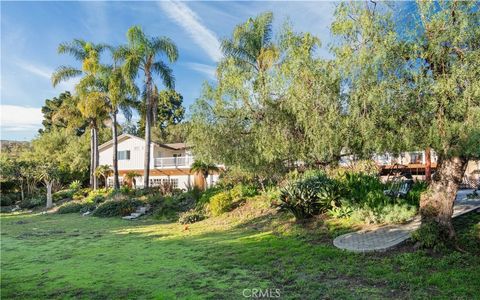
(124, 155)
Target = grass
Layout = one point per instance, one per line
(70, 256)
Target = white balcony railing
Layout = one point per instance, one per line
(173, 162)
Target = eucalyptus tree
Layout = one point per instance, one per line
(88, 104)
(142, 55)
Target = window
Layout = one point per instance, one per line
(416, 157)
(124, 155)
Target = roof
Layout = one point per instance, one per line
(124, 136)
(175, 146)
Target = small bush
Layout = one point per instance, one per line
(98, 196)
(220, 203)
(308, 196)
(76, 207)
(76, 185)
(33, 202)
(81, 194)
(9, 199)
(114, 208)
(431, 235)
(63, 194)
(207, 195)
(191, 216)
(241, 191)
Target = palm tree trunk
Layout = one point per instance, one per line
(95, 159)
(146, 173)
(92, 157)
(116, 181)
(148, 114)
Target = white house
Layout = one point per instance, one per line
(168, 162)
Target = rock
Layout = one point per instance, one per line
(86, 213)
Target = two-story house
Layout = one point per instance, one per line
(168, 162)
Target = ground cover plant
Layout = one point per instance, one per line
(55, 256)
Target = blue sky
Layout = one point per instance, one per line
(31, 32)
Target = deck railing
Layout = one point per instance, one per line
(173, 162)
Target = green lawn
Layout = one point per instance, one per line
(70, 256)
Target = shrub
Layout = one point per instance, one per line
(82, 193)
(76, 207)
(431, 235)
(63, 194)
(220, 203)
(207, 195)
(98, 196)
(308, 196)
(75, 185)
(413, 197)
(113, 208)
(241, 191)
(191, 216)
(34, 201)
(9, 199)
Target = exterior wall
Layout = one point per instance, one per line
(136, 161)
(180, 173)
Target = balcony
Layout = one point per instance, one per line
(173, 162)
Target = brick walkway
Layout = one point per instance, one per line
(387, 237)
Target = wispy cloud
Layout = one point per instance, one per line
(20, 118)
(34, 69)
(203, 68)
(190, 22)
(46, 73)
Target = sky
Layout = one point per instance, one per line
(32, 31)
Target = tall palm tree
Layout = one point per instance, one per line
(142, 55)
(88, 54)
(118, 95)
(252, 49)
(251, 45)
(203, 168)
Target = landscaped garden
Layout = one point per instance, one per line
(280, 158)
(252, 247)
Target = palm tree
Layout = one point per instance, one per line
(203, 168)
(141, 55)
(129, 177)
(251, 46)
(252, 49)
(88, 54)
(118, 95)
(103, 171)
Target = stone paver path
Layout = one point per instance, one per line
(387, 237)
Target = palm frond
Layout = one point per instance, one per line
(64, 73)
(165, 45)
(75, 48)
(165, 73)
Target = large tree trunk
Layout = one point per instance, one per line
(49, 194)
(116, 181)
(95, 155)
(437, 203)
(92, 157)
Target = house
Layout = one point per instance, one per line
(169, 163)
(415, 163)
